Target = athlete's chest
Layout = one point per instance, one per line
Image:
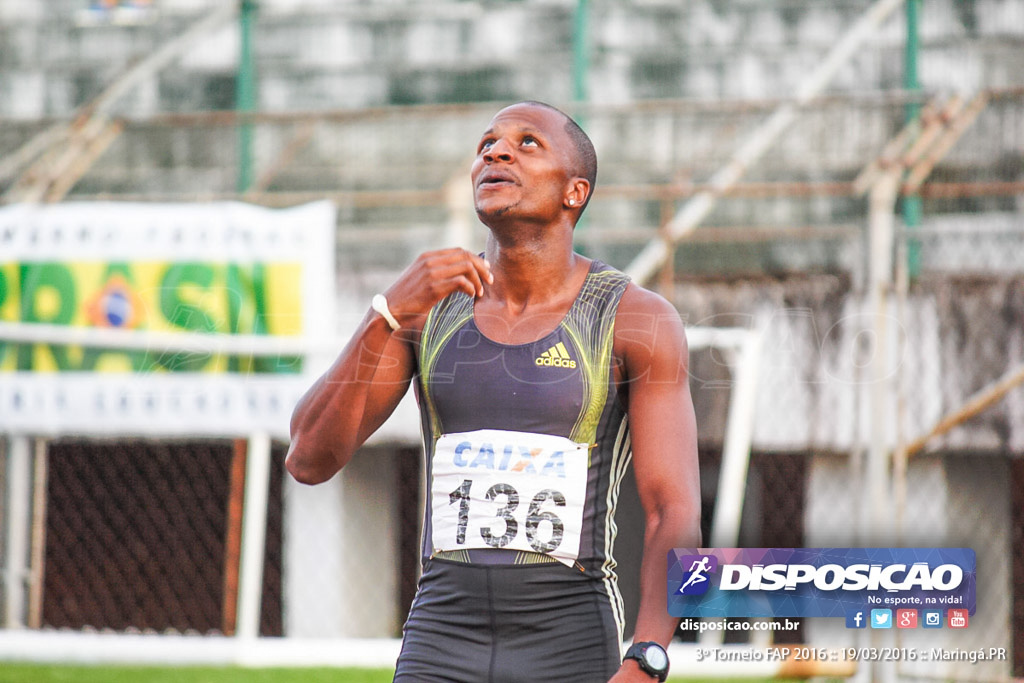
(540, 386)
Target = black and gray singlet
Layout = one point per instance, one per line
(526, 446)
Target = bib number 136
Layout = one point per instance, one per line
(543, 538)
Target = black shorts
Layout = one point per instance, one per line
(498, 623)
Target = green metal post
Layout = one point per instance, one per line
(580, 51)
(912, 203)
(245, 93)
(580, 69)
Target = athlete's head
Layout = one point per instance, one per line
(585, 157)
(533, 160)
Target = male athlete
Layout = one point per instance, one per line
(538, 373)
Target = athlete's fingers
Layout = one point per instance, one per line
(467, 270)
(476, 268)
(466, 285)
(455, 278)
(483, 268)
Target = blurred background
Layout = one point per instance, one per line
(200, 198)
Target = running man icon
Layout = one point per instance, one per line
(698, 571)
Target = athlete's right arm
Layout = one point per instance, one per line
(371, 375)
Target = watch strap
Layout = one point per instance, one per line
(638, 653)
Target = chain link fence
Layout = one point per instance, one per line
(138, 537)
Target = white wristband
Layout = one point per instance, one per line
(380, 304)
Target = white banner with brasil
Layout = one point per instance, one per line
(160, 318)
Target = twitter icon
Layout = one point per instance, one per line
(881, 618)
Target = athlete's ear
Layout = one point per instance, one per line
(576, 193)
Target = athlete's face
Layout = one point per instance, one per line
(523, 165)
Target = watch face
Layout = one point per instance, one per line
(656, 657)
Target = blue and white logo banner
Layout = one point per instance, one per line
(817, 582)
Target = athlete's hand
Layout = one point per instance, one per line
(433, 276)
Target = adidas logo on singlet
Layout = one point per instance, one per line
(556, 357)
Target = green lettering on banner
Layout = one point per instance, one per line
(246, 311)
(195, 297)
(185, 314)
(247, 314)
(3, 300)
(39, 280)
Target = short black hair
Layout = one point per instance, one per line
(585, 154)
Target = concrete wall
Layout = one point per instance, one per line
(313, 55)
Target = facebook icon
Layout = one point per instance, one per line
(855, 619)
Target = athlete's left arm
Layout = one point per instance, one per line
(651, 349)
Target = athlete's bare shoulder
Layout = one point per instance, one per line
(637, 299)
(648, 332)
(643, 314)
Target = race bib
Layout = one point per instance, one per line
(497, 489)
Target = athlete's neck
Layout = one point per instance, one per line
(533, 272)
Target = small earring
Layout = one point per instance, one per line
(572, 202)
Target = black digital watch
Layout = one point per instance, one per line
(651, 657)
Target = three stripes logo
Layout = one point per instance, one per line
(556, 357)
